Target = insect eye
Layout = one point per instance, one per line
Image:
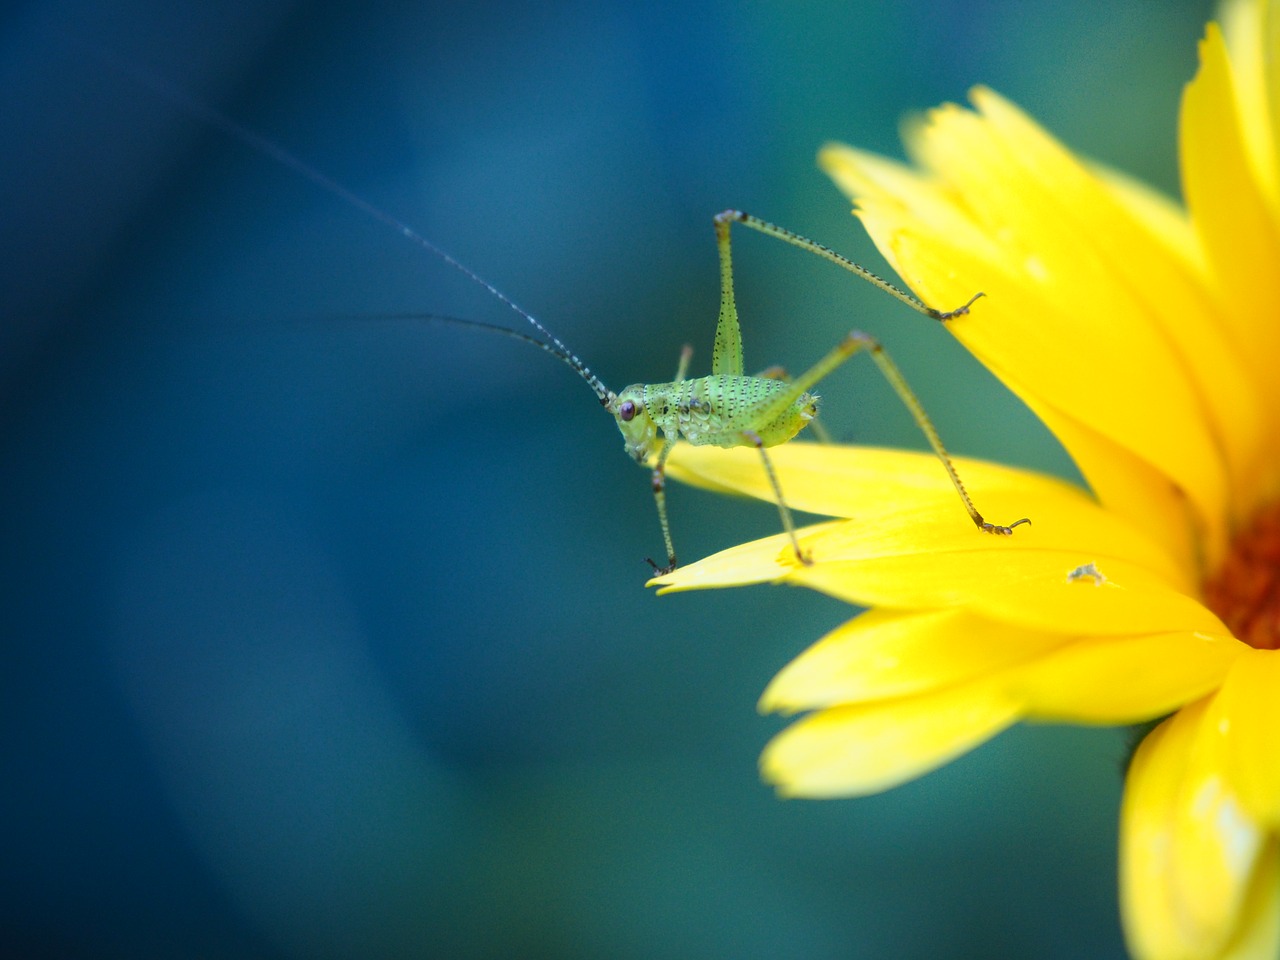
(627, 409)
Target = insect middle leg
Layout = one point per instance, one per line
(783, 510)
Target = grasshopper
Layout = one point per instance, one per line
(729, 408)
(726, 409)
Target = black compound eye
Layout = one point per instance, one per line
(627, 409)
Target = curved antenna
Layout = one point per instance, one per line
(208, 114)
(556, 350)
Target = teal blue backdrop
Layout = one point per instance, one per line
(327, 636)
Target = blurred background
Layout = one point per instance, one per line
(327, 636)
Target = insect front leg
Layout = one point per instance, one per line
(660, 500)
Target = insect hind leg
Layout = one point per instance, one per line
(854, 342)
(862, 341)
(727, 217)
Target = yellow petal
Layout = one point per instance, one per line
(1251, 29)
(1187, 849)
(1117, 680)
(903, 502)
(1059, 313)
(1131, 488)
(915, 549)
(1164, 219)
(837, 480)
(1232, 214)
(1097, 424)
(1092, 315)
(1258, 930)
(1246, 713)
(1166, 293)
(1027, 588)
(1018, 585)
(769, 560)
(901, 195)
(1153, 927)
(1215, 848)
(1267, 41)
(892, 653)
(856, 750)
(1112, 680)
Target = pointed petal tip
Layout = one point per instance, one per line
(773, 701)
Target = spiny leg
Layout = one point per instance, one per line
(783, 510)
(660, 499)
(854, 342)
(912, 403)
(726, 355)
(727, 217)
(851, 344)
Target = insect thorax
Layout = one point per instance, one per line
(719, 410)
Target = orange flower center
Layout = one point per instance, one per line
(1245, 593)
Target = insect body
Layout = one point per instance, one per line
(729, 409)
(726, 409)
(722, 410)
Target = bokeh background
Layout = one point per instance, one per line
(327, 636)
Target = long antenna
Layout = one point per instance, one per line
(566, 358)
(176, 95)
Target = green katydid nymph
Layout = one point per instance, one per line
(729, 408)
(726, 409)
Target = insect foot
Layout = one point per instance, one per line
(998, 530)
(946, 315)
(661, 571)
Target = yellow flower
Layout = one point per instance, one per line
(1147, 337)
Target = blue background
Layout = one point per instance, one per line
(327, 637)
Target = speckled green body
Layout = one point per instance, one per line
(719, 410)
